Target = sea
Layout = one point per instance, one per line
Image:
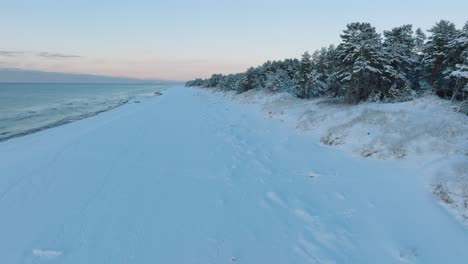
(26, 108)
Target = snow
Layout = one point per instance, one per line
(46, 253)
(194, 177)
(426, 134)
(460, 74)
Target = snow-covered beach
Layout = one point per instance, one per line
(194, 177)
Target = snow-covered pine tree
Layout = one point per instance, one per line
(458, 64)
(237, 81)
(291, 66)
(363, 59)
(316, 84)
(272, 81)
(197, 82)
(419, 41)
(321, 70)
(227, 82)
(260, 75)
(334, 87)
(399, 47)
(436, 52)
(417, 74)
(248, 81)
(278, 81)
(214, 80)
(303, 76)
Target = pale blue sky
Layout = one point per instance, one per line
(184, 39)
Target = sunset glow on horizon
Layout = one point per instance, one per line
(181, 40)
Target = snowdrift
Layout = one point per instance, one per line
(425, 133)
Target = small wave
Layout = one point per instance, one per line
(62, 105)
(63, 121)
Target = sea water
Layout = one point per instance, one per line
(29, 107)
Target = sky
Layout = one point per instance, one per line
(182, 39)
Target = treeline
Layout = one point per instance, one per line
(367, 66)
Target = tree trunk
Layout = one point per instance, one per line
(366, 92)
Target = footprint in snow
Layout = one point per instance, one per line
(340, 196)
(40, 255)
(47, 253)
(304, 215)
(310, 174)
(313, 174)
(273, 197)
(408, 254)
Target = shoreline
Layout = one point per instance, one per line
(61, 122)
(69, 120)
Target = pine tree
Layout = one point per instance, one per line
(437, 51)
(214, 80)
(399, 46)
(248, 81)
(278, 81)
(458, 64)
(197, 82)
(417, 74)
(419, 41)
(363, 61)
(334, 65)
(303, 76)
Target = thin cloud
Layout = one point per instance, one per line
(56, 55)
(7, 53)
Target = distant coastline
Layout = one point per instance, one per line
(15, 75)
